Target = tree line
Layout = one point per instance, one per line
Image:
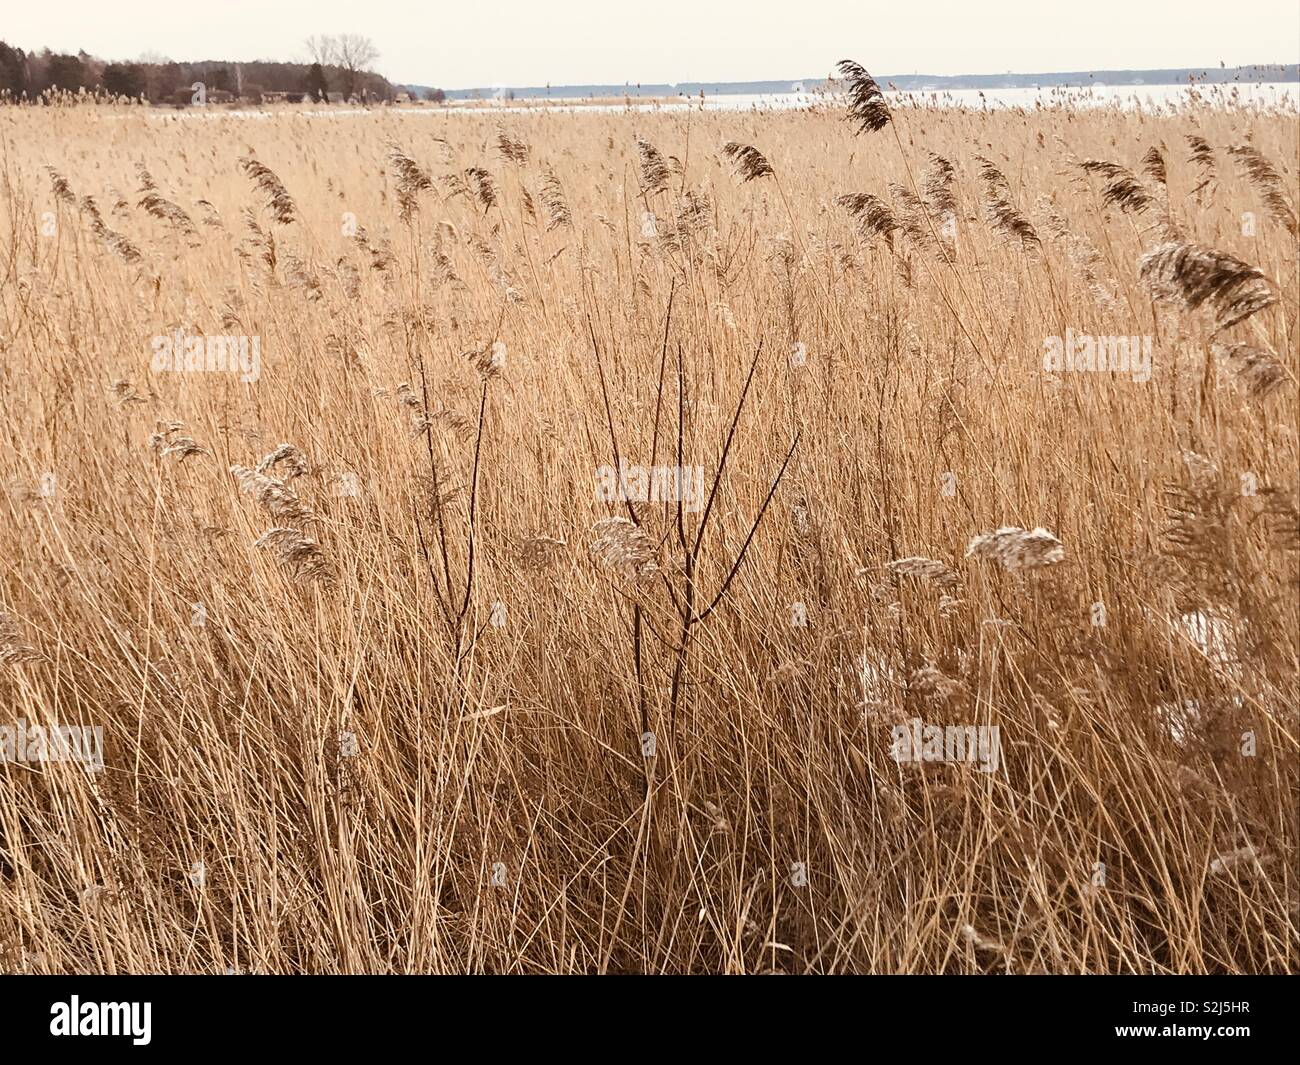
(340, 69)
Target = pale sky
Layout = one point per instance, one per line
(534, 42)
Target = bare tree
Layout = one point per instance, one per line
(354, 54)
(322, 48)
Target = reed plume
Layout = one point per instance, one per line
(1268, 183)
(626, 549)
(867, 106)
(147, 183)
(1259, 370)
(481, 187)
(938, 187)
(511, 148)
(1193, 274)
(1084, 257)
(13, 651)
(411, 181)
(59, 185)
(553, 199)
(1153, 165)
(278, 200)
(297, 552)
(160, 207)
(1002, 215)
(747, 162)
(274, 495)
(121, 246)
(1202, 157)
(1123, 189)
(262, 240)
(930, 569)
(654, 171)
(872, 214)
(168, 439)
(1017, 549)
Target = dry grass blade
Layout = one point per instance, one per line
(414, 714)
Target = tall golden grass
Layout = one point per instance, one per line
(373, 702)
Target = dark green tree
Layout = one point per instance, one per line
(65, 71)
(316, 86)
(124, 79)
(13, 70)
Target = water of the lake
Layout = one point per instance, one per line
(1152, 98)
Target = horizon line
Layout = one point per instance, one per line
(882, 78)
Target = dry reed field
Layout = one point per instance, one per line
(393, 675)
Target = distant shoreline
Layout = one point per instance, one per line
(1267, 95)
(1252, 73)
